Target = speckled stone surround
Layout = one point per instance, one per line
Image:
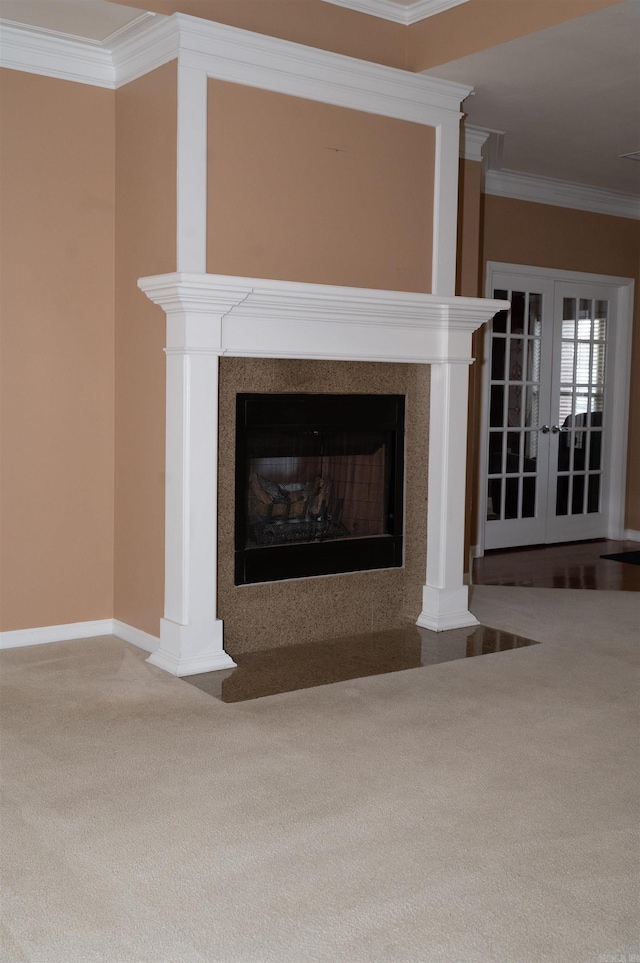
(291, 612)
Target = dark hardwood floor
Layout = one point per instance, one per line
(575, 565)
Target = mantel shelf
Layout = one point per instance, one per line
(257, 317)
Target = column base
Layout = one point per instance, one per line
(444, 609)
(191, 649)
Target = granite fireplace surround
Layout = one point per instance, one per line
(228, 335)
(309, 609)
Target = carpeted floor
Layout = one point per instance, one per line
(477, 811)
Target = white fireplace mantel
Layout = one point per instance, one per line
(212, 315)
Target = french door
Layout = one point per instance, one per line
(553, 446)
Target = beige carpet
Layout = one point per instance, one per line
(480, 810)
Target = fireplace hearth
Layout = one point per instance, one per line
(319, 485)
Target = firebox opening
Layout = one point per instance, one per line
(319, 484)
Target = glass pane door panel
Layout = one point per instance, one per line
(514, 417)
(533, 359)
(581, 408)
(498, 351)
(528, 497)
(593, 501)
(496, 417)
(535, 315)
(532, 409)
(517, 313)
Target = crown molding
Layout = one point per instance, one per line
(135, 56)
(238, 56)
(132, 28)
(546, 190)
(404, 13)
(54, 55)
(472, 140)
(126, 54)
(126, 30)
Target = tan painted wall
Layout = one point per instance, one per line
(480, 24)
(310, 192)
(145, 233)
(311, 22)
(468, 253)
(520, 232)
(307, 610)
(468, 285)
(57, 248)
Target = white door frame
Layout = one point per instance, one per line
(620, 360)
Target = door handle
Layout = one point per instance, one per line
(545, 429)
(556, 429)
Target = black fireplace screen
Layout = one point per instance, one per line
(318, 484)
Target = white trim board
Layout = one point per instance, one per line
(557, 193)
(238, 56)
(630, 535)
(241, 56)
(71, 631)
(143, 640)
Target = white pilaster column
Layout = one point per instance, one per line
(445, 207)
(191, 636)
(445, 597)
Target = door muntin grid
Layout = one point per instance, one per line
(579, 449)
(583, 350)
(514, 407)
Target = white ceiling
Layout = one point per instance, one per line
(567, 98)
(399, 11)
(94, 20)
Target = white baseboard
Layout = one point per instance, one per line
(631, 536)
(135, 636)
(56, 633)
(79, 630)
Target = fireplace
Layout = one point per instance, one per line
(214, 317)
(319, 484)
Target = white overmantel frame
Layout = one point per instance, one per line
(204, 49)
(209, 316)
